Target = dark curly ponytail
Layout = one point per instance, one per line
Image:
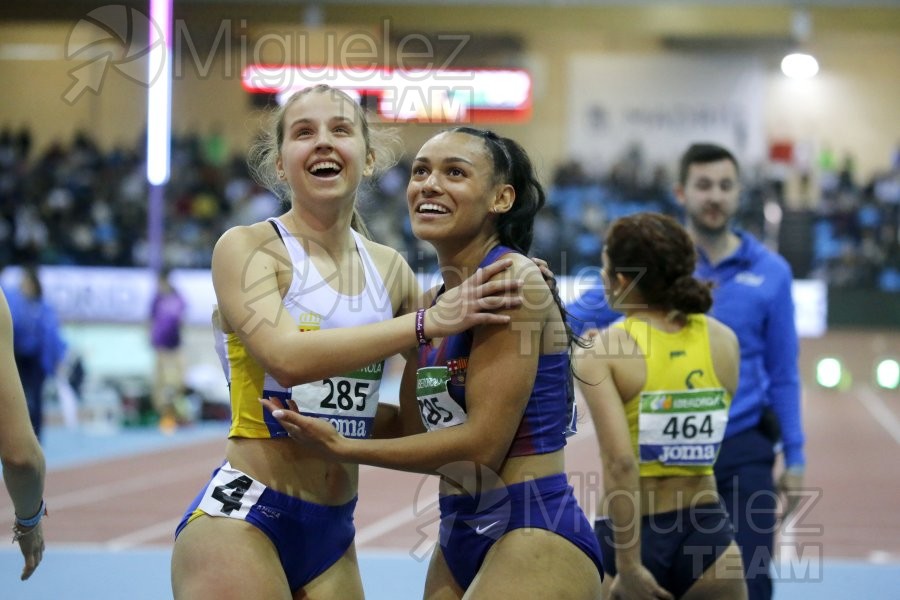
(658, 252)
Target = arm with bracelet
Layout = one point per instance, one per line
(20, 453)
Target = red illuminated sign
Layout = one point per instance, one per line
(401, 95)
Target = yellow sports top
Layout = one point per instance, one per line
(677, 420)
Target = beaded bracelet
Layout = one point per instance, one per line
(420, 327)
(19, 533)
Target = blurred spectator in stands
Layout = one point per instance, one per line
(382, 202)
(548, 238)
(23, 142)
(570, 173)
(847, 174)
(251, 204)
(73, 204)
(889, 278)
(215, 147)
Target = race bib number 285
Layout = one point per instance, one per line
(348, 401)
(436, 406)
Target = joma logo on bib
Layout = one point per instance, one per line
(351, 428)
(688, 453)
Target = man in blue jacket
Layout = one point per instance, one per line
(752, 295)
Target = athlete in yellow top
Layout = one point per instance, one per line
(658, 386)
(307, 310)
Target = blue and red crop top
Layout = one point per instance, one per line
(441, 390)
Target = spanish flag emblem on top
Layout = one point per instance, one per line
(309, 322)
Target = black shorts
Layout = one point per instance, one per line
(677, 546)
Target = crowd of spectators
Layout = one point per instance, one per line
(74, 204)
(856, 236)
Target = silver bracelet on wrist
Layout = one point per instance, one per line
(24, 527)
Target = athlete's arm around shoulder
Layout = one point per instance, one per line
(409, 418)
(245, 266)
(726, 353)
(398, 277)
(499, 378)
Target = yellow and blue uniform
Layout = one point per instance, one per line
(677, 422)
(309, 537)
(348, 401)
(752, 296)
(678, 419)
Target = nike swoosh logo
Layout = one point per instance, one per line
(479, 529)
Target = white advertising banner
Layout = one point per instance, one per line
(663, 103)
(117, 295)
(122, 295)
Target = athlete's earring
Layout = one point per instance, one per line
(280, 174)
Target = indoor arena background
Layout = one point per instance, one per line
(617, 90)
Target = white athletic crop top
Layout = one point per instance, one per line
(348, 401)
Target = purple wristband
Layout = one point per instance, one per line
(420, 327)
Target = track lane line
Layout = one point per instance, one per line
(145, 534)
(880, 412)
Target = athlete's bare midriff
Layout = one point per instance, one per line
(665, 494)
(285, 466)
(514, 470)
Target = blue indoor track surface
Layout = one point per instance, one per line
(72, 573)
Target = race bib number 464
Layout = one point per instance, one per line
(682, 428)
